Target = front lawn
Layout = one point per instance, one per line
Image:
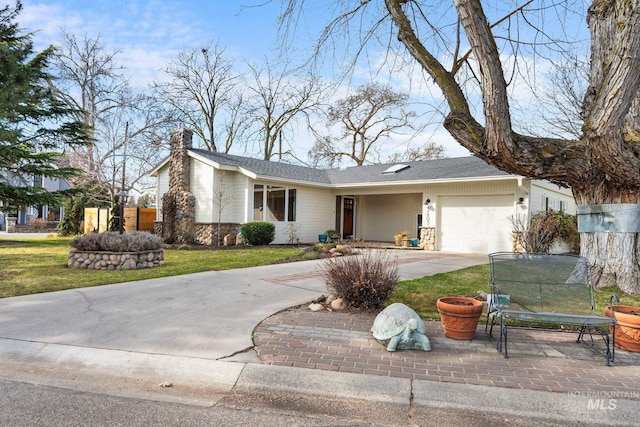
(421, 294)
(29, 266)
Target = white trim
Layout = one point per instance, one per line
(424, 181)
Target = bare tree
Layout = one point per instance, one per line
(221, 198)
(371, 114)
(562, 100)
(91, 81)
(280, 97)
(202, 92)
(426, 152)
(602, 165)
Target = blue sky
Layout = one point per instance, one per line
(150, 33)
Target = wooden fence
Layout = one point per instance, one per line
(135, 219)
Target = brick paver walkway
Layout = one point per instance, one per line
(538, 360)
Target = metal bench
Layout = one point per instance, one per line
(545, 289)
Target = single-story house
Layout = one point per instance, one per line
(454, 204)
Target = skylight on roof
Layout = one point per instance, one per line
(395, 169)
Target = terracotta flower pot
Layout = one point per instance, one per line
(627, 332)
(459, 316)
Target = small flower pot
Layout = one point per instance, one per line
(627, 331)
(459, 316)
(322, 238)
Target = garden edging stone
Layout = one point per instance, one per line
(103, 260)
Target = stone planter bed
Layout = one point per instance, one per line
(115, 260)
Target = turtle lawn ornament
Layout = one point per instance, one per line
(400, 328)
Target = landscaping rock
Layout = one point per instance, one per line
(338, 304)
(115, 260)
(316, 307)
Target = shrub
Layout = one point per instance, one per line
(364, 281)
(293, 233)
(342, 249)
(258, 233)
(38, 224)
(545, 228)
(110, 241)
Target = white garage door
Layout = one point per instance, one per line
(476, 224)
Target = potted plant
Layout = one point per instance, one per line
(400, 237)
(459, 316)
(332, 235)
(627, 331)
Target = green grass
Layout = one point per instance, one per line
(421, 294)
(29, 266)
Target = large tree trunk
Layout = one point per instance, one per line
(602, 167)
(613, 258)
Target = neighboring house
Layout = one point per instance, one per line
(455, 204)
(24, 214)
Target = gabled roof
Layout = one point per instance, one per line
(266, 168)
(426, 170)
(460, 168)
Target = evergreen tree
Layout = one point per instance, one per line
(35, 125)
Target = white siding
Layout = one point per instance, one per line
(380, 217)
(162, 182)
(236, 210)
(315, 214)
(232, 210)
(202, 184)
(543, 192)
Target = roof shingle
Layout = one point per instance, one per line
(426, 170)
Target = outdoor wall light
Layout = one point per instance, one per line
(520, 200)
(427, 202)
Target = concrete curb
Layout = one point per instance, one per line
(188, 380)
(126, 363)
(206, 382)
(324, 384)
(545, 405)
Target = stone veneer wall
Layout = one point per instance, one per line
(517, 242)
(428, 238)
(115, 260)
(184, 225)
(207, 234)
(180, 164)
(181, 224)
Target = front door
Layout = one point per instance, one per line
(347, 217)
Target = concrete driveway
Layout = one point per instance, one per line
(193, 327)
(208, 315)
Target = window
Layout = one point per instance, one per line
(38, 181)
(53, 214)
(273, 203)
(258, 202)
(291, 216)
